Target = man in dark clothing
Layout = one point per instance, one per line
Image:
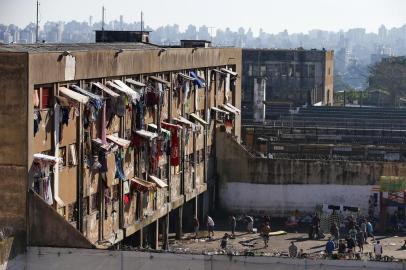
(196, 226)
(330, 246)
(224, 241)
(233, 224)
(334, 232)
(341, 247)
(315, 227)
(350, 244)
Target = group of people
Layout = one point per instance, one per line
(356, 234)
(264, 232)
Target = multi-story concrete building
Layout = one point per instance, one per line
(296, 76)
(106, 144)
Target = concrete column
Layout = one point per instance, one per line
(196, 206)
(179, 219)
(165, 232)
(154, 234)
(140, 238)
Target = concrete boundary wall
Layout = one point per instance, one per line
(66, 259)
(281, 200)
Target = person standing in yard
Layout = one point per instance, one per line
(292, 250)
(334, 232)
(210, 226)
(363, 229)
(361, 240)
(378, 250)
(196, 225)
(250, 224)
(330, 246)
(370, 230)
(266, 229)
(233, 224)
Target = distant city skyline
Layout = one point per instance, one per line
(272, 16)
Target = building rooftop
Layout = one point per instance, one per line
(286, 50)
(61, 47)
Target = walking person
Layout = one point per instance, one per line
(266, 229)
(196, 226)
(233, 224)
(370, 229)
(210, 226)
(361, 240)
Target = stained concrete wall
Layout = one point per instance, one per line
(282, 185)
(13, 150)
(280, 200)
(61, 259)
(239, 166)
(48, 228)
(107, 63)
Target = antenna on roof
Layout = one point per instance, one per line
(142, 21)
(103, 11)
(37, 26)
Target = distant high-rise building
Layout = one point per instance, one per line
(90, 21)
(121, 23)
(341, 57)
(382, 34)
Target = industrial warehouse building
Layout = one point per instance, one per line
(105, 144)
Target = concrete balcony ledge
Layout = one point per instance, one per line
(195, 192)
(162, 211)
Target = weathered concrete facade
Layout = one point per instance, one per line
(241, 171)
(79, 191)
(292, 76)
(14, 130)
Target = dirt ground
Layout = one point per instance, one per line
(278, 245)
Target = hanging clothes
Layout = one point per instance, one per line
(42, 181)
(48, 191)
(119, 166)
(126, 199)
(64, 115)
(199, 82)
(107, 196)
(174, 143)
(102, 161)
(186, 90)
(139, 111)
(227, 86)
(37, 121)
(35, 98)
(153, 156)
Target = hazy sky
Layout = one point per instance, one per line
(270, 15)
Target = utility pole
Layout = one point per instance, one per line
(37, 26)
(103, 11)
(142, 22)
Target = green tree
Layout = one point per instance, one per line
(389, 75)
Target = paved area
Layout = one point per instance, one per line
(278, 245)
